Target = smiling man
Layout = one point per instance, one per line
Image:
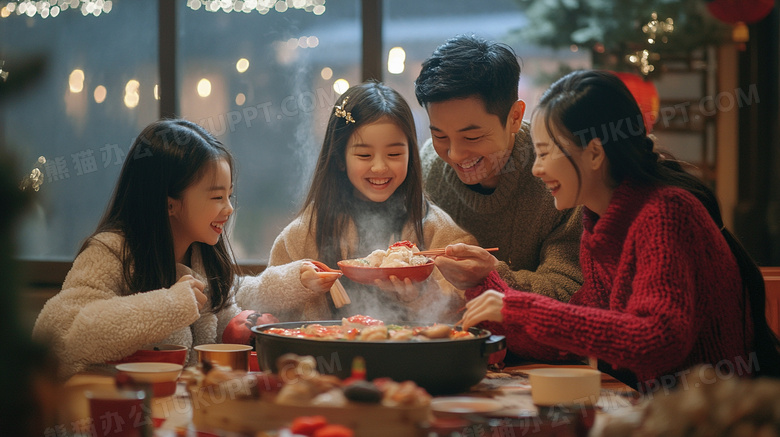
(477, 167)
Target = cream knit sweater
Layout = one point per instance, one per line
(538, 245)
(90, 322)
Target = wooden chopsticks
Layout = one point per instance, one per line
(438, 252)
(339, 295)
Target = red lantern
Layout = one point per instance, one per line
(740, 13)
(735, 11)
(646, 96)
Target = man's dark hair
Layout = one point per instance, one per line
(467, 65)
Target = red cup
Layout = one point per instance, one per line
(118, 413)
(156, 353)
(254, 365)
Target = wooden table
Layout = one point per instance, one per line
(509, 387)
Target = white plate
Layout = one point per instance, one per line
(465, 405)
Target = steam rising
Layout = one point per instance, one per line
(379, 225)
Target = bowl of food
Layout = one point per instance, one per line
(566, 386)
(156, 353)
(162, 376)
(400, 260)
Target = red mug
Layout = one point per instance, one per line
(118, 413)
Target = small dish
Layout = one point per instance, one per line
(162, 376)
(367, 275)
(465, 405)
(565, 386)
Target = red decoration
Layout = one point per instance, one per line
(646, 96)
(735, 11)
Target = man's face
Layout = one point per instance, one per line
(475, 143)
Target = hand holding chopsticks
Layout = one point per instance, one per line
(465, 265)
(337, 291)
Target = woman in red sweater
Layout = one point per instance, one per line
(667, 286)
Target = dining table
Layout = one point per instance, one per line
(507, 388)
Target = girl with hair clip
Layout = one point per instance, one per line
(667, 286)
(366, 193)
(158, 269)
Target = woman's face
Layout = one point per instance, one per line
(377, 160)
(553, 167)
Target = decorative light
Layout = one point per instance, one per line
(76, 81)
(395, 60)
(316, 7)
(204, 87)
(340, 86)
(132, 97)
(242, 65)
(100, 94)
(326, 73)
(643, 60)
(52, 8)
(656, 29)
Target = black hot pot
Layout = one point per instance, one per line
(441, 366)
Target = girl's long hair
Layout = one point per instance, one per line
(331, 193)
(597, 104)
(166, 158)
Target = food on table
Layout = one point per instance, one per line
(333, 430)
(400, 254)
(364, 328)
(300, 384)
(306, 425)
(363, 391)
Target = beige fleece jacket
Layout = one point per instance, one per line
(91, 322)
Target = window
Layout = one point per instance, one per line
(81, 114)
(271, 83)
(263, 83)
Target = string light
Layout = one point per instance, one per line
(656, 28)
(52, 8)
(317, 7)
(643, 60)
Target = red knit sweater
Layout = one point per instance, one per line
(662, 292)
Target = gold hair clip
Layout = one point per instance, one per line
(346, 115)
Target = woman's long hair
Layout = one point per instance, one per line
(166, 158)
(597, 104)
(331, 193)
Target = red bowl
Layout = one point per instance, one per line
(156, 353)
(367, 275)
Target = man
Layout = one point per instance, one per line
(477, 167)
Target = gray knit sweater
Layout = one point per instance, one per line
(538, 245)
